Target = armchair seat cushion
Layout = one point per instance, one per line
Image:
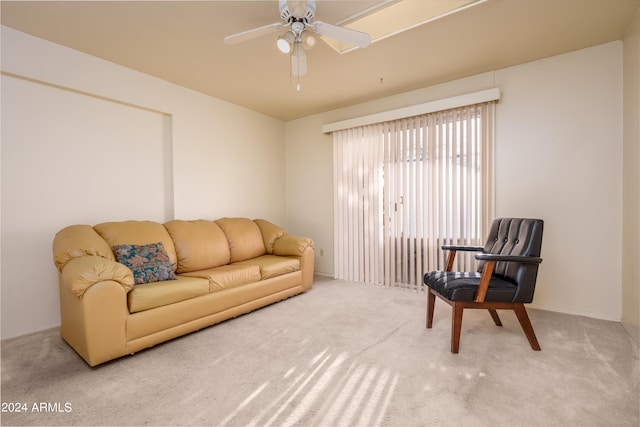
(462, 286)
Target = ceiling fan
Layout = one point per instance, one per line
(299, 17)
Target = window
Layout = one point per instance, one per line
(404, 188)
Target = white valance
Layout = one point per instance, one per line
(415, 110)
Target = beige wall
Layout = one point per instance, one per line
(86, 141)
(558, 157)
(559, 138)
(631, 182)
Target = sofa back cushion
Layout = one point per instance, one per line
(199, 244)
(244, 237)
(137, 233)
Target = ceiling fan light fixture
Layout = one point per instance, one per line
(308, 39)
(285, 42)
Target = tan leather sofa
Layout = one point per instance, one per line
(222, 269)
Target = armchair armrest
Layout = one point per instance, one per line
(79, 274)
(509, 258)
(490, 263)
(462, 248)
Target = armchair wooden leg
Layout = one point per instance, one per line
(431, 300)
(456, 326)
(523, 318)
(495, 317)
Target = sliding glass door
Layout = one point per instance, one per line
(404, 188)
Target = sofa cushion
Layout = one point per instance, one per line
(158, 294)
(199, 244)
(149, 263)
(272, 265)
(137, 233)
(227, 276)
(244, 237)
(270, 233)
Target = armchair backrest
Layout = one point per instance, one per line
(516, 236)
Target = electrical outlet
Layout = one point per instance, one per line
(321, 252)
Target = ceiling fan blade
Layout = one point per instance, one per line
(347, 35)
(252, 34)
(298, 60)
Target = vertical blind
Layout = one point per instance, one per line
(404, 188)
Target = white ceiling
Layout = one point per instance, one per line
(181, 41)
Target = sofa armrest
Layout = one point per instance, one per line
(301, 247)
(77, 241)
(79, 274)
(270, 233)
(289, 245)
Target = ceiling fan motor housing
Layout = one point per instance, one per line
(297, 28)
(301, 11)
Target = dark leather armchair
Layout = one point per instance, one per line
(505, 280)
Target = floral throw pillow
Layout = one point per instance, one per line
(149, 263)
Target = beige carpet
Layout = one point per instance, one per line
(343, 354)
